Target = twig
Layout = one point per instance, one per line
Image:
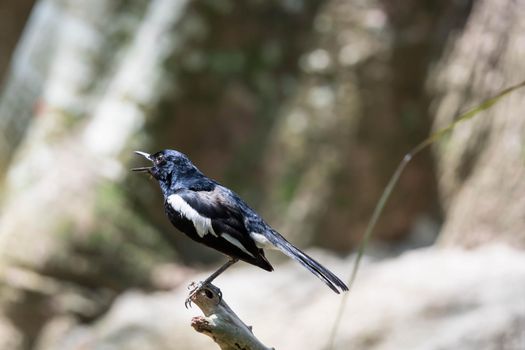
(437, 135)
(221, 323)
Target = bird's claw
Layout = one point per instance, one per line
(196, 287)
(193, 285)
(187, 303)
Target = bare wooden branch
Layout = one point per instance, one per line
(221, 323)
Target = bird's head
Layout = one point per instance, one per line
(168, 165)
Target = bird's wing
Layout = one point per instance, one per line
(234, 223)
(218, 213)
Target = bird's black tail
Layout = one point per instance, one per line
(313, 266)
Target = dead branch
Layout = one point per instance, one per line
(221, 323)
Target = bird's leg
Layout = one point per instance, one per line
(219, 271)
(195, 287)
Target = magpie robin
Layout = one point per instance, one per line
(213, 215)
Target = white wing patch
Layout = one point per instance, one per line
(261, 241)
(202, 224)
(236, 243)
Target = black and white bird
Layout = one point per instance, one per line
(217, 217)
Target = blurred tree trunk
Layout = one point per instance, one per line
(23, 82)
(360, 106)
(13, 16)
(481, 164)
(68, 242)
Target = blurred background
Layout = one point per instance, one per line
(304, 108)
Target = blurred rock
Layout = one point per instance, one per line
(170, 276)
(10, 338)
(427, 299)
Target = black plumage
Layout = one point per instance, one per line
(215, 216)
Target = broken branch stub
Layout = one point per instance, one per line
(221, 323)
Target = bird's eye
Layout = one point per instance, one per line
(159, 160)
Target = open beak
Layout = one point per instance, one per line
(143, 169)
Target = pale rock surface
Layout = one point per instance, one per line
(425, 299)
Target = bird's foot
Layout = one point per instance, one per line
(196, 287)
